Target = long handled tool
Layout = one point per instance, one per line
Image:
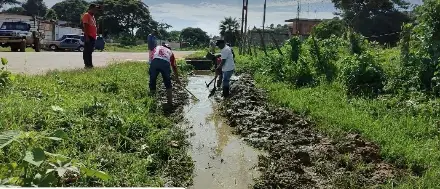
(213, 80)
(212, 92)
(208, 84)
(194, 96)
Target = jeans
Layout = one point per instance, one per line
(227, 78)
(89, 47)
(163, 67)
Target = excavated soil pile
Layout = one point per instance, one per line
(298, 156)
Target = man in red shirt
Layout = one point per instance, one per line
(90, 32)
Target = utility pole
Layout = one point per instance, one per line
(245, 16)
(264, 16)
(241, 31)
(245, 38)
(297, 17)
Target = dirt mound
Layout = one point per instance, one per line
(300, 157)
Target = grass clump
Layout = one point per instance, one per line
(109, 124)
(388, 95)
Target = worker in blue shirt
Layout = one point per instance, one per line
(151, 40)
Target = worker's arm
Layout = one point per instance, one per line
(86, 20)
(224, 56)
(174, 67)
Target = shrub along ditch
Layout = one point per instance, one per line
(78, 122)
(348, 84)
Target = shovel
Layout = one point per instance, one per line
(215, 78)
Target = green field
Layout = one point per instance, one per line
(101, 120)
(365, 93)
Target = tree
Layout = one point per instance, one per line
(75, 9)
(51, 15)
(146, 28)
(15, 10)
(196, 37)
(8, 2)
(328, 28)
(374, 18)
(229, 30)
(162, 30)
(123, 16)
(174, 36)
(35, 8)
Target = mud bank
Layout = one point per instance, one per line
(299, 156)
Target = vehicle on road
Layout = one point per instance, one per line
(74, 36)
(18, 36)
(99, 44)
(72, 44)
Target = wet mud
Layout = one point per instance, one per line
(298, 155)
(221, 159)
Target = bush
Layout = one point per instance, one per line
(128, 41)
(361, 75)
(299, 74)
(329, 28)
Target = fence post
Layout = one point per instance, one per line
(276, 43)
(262, 42)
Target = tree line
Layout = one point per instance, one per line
(132, 19)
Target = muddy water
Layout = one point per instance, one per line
(222, 160)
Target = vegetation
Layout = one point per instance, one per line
(51, 15)
(229, 30)
(196, 37)
(76, 9)
(381, 19)
(61, 128)
(349, 84)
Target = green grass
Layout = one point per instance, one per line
(407, 134)
(120, 48)
(111, 123)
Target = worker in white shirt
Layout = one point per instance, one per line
(227, 65)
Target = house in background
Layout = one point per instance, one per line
(302, 26)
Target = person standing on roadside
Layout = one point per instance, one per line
(151, 40)
(162, 59)
(90, 33)
(227, 65)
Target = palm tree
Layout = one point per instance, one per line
(229, 30)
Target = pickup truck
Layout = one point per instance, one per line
(18, 36)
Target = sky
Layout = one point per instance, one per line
(207, 14)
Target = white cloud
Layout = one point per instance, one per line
(208, 16)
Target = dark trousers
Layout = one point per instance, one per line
(163, 67)
(89, 47)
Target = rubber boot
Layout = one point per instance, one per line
(219, 83)
(225, 92)
(152, 93)
(170, 97)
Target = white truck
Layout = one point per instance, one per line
(18, 36)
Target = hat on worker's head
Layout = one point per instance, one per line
(220, 41)
(167, 46)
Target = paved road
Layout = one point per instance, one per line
(41, 62)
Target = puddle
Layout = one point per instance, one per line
(222, 160)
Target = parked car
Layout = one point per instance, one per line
(99, 44)
(66, 44)
(74, 36)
